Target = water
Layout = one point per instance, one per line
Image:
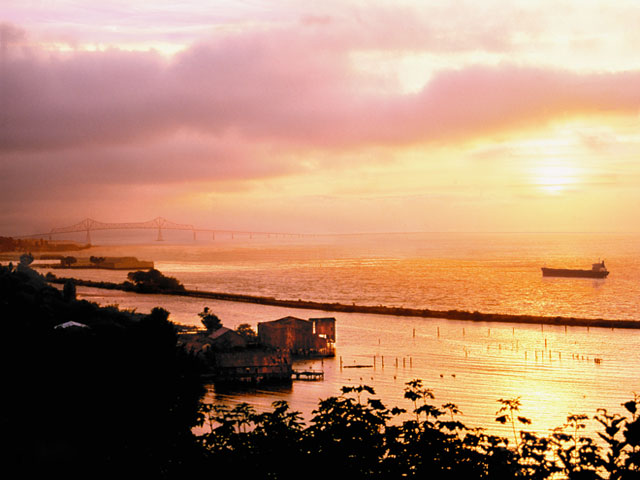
(556, 371)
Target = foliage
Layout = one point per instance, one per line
(153, 281)
(210, 321)
(26, 259)
(507, 413)
(96, 260)
(247, 332)
(120, 394)
(69, 291)
(358, 436)
(68, 261)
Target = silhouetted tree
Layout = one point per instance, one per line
(96, 260)
(120, 394)
(26, 259)
(69, 291)
(68, 261)
(153, 281)
(247, 332)
(210, 321)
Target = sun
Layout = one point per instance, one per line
(555, 178)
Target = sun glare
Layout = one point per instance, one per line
(554, 178)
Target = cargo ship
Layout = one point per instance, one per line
(598, 270)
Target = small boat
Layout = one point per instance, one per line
(598, 270)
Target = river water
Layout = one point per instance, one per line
(555, 371)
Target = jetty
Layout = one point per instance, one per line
(379, 309)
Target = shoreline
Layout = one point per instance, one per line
(377, 310)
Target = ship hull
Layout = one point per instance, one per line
(565, 272)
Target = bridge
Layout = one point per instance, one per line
(158, 224)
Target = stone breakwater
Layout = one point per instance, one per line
(370, 309)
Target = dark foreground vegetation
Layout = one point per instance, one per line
(113, 394)
(108, 393)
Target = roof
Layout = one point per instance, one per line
(71, 324)
(219, 333)
(286, 320)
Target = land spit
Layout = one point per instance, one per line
(377, 310)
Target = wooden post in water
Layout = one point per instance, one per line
(383, 361)
(340, 362)
(414, 332)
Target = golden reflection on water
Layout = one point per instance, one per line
(552, 369)
(556, 371)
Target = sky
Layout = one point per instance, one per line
(321, 117)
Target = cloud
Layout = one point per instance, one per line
(272, 86)
(253, 104)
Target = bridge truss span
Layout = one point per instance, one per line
(88, 225)
(159, 224)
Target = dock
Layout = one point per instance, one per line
(307, 375)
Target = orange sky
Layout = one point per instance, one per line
(346, 116)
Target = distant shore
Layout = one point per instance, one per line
(377, 310)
